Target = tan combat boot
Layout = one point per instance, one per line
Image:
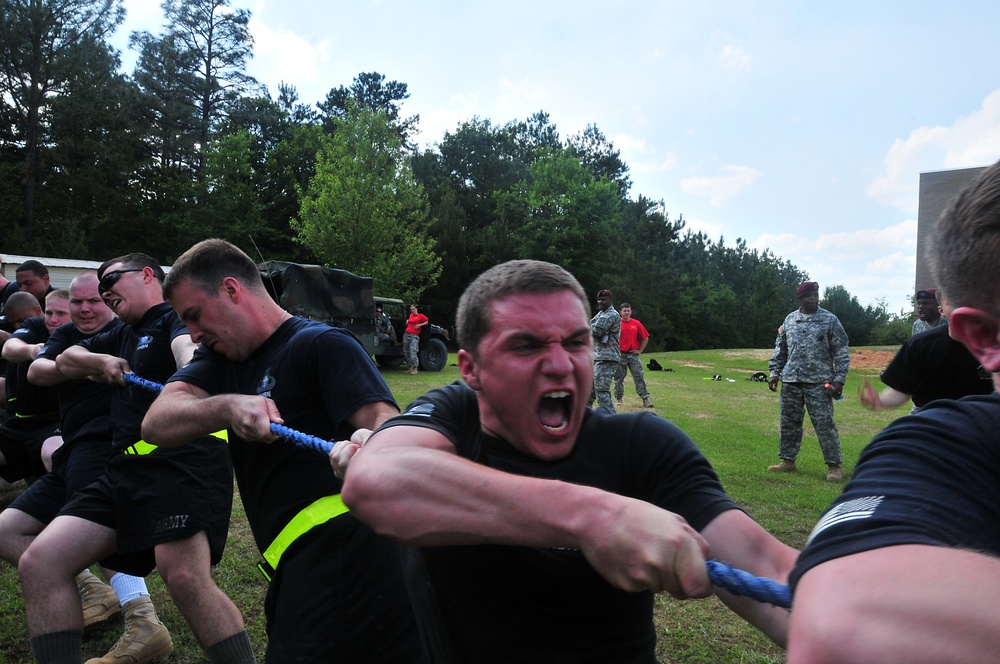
(836, 473)
(646, 403)
(99, 599)
(145, 637)
(785, 466)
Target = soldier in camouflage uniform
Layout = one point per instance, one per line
(811, 359)
(606, 328)
(385, 333)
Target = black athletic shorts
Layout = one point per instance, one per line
(76, 464)
(167, 496)
(21, 441)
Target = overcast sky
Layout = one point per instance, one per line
(801, 127)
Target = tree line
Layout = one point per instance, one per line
(95, 163)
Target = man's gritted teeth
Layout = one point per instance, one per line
(554, 410)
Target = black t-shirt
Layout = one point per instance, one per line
(928, 478)
(931, 365)
(5, 292)
(80, 401)
(318, 376)
(146, 348)
(519, 604)
(30, 400)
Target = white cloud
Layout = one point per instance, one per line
(142, 15)
(668, 163)
(283, 55)
(712, 230)
(629, 143)
(733, 57)
(640, 157)
(720, 189)
(872, 264)
(973, 140)
(514, 94)
(434, 123)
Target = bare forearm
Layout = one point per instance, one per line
(413, 487)
(16, 350)
(78, 363)
(178, 417)
(439, 498)
(890, 398)
(738, 540)
(43, 372)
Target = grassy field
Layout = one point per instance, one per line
(734, 423)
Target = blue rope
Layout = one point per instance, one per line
(303, 439)
(722, 575)
(745, 584)
(297, 437)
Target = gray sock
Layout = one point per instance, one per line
(58, 647)
(235, 649)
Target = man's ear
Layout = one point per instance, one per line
(231, 288)
(980, 332)
(468, 369)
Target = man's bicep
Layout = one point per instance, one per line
(899, 603)
(183, 349)
(409, 436)
(178, 389)
(372, 415)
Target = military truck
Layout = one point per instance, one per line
(343, 299)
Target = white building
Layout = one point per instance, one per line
(61, 270)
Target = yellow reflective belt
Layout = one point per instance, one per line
(310, 516)
(142, 447)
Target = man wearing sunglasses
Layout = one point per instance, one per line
(85, 422)
(162, 508)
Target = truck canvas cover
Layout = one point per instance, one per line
(336, 297)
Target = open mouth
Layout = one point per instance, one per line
(554, 410)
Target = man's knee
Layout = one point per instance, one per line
(37, 562)
(15, 523)
(185, 565)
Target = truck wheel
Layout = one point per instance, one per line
(435, 356)
(389, 361)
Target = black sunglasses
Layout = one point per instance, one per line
(109, 279)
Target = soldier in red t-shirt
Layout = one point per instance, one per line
(633, 341)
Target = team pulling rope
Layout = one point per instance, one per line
(728, 578)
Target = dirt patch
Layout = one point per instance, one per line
(693, 365)
(750, 354)
(868, 359)
(871, 359)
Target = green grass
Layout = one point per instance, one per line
(735, 424)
